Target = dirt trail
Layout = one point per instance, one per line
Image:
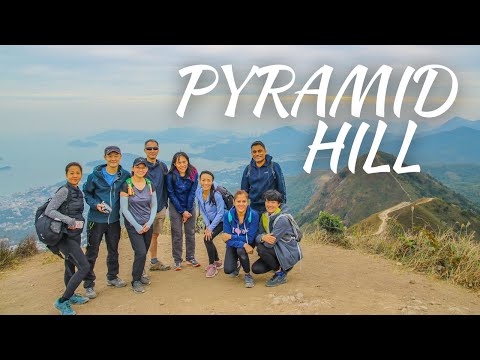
(329, 280)
(384, 214)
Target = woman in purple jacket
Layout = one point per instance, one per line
(182, 181)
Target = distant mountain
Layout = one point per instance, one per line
(461, 145)
(435, 215)
(463, 178)
(354, 197)
(192, 136)
(5, 168)
(301, 188)
(455, 123)
(82, 144)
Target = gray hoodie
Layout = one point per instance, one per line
(286, 247)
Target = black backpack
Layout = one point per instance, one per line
(49, 231)
(226, 195)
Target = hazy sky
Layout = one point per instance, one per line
(83, 90)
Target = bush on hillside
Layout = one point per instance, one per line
(11, 254)
(330, 223)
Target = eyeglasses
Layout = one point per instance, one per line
(151, 148)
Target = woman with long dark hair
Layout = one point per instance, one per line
(182, 182)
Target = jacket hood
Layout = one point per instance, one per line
(283, 210)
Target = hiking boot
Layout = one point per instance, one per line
(249, 283)
(65, 308)
(276, 280)
(218, 264)
(137, 287)
(78, 299)
(193, 262)
(117, 282)
(159, 266)
(90, 293)
(211, 271)
(177, 266)
(236, 272)
(145, 280)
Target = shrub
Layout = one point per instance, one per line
(329, 222)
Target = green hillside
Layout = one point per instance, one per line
(300, 188)
(463, 178)
(354, 197)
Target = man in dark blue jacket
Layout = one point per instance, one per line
(102, 194)
(260, 175)
(157, 173)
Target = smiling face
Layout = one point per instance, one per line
(241, 203)
(151, 151)
(139, 170)
(206, 182)
(74, 175)
(271, 206)
(258, 154)
(113, 160)
(181, 164)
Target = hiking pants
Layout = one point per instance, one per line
(268, 260)
(95, 232)
(140, 245)
(231, 257)
(177, 227)
(211, 249)
(69, 245)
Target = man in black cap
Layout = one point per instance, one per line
(102, 194)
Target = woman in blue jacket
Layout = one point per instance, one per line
(240, 225)
(212, 207)
(182, 182)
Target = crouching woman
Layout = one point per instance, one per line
(276, 244)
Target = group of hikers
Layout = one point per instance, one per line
(143, 196)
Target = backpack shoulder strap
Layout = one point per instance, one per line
(273, 170)
(149, 184)
(130, 190)
(248, 171)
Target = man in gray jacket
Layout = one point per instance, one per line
(277, 240)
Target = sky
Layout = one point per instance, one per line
(89, 89)
(51, 95)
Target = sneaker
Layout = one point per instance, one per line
(177, 266)
(249, 283)
(211, 271)
(137, 287)
(90, 293)
(193, 262)
(65, 308)
(276, 280)
(145, 280)
(159, 266)
(117, 282)
(218, 264)
(78, 299)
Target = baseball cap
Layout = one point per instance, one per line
(112, 148)
(140, 160)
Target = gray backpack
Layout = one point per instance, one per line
(296, 229)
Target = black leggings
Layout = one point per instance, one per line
(268, 260)
(231, 257)
(211, 249)
(74, 257)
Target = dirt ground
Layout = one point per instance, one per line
(329, 280)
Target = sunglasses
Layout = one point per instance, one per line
(151, 148)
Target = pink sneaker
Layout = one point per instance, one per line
(211, 271)
(218, 264)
